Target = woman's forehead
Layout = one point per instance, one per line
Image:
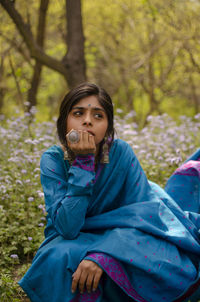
(90, 101)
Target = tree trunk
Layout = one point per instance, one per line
(74, 60)
(72, 66)
(35, 81)
(2, 88)
(152, 100)
(194, 95)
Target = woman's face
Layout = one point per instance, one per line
(88, 115)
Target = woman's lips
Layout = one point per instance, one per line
(90, 132)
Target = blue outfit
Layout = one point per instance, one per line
(146, 239)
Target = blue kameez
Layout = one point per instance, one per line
(146, 239)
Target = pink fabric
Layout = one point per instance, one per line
(86, 297)
(84, 162)
(191, 168)
(115, 271)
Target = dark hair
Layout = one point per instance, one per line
(74, 96)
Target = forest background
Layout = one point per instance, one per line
(145, 53)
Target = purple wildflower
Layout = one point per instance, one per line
(30, 199)
(41, 206)
(14, 256)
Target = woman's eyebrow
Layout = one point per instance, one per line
(97, 109)
(93, 108)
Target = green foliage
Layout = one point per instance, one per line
(145, 53)
(9, 290)
(22, 213)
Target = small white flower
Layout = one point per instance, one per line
(33, 110)
(14, 256)
(19, 182)
(40, 194)
(30, 199)
(119, 110)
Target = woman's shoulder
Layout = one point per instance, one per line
(54, 151)
(53, 160)
(121, 144)
(122, 147)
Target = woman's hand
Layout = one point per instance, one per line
(85, 145)
(88, 273)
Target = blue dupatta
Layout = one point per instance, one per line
(146, 239)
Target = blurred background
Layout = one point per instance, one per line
(145, 53)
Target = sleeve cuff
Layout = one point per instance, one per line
(85, 162)
(82, 175)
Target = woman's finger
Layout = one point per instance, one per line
(89, 282)
(75, 280)
(85, 138)
(96, 280)
(80, 143)
(91, 141)
(84, 145)
(82, 280)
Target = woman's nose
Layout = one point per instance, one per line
(87, 120)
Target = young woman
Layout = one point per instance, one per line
(111, 234)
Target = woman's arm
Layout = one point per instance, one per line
(67, 194)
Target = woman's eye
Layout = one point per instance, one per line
(77, 113)
(98, 115)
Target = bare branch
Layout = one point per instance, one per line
(35, 51)
(18, 47)
(192, 59)
(148, 55)
(2, 84)
(16, 82)
(169, 68)
(32, 93)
